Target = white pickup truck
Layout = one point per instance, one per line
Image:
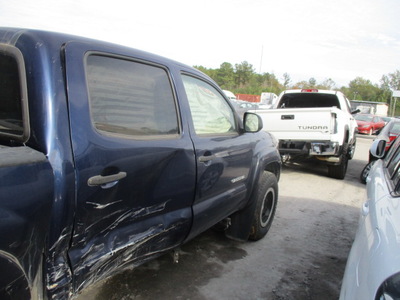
(313, 123)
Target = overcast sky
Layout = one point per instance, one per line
(338, 39)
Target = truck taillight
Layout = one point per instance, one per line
(334, 123)
(309, 90)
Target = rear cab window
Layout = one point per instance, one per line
(131, 99)
(14, 118)
(308, 100)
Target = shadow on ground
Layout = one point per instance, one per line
(302, 257)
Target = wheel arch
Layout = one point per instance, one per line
(14, 283)
(274, 168)
(346, 136)
(241, 221)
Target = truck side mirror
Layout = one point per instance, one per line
(378, 148)
(252, 122)
(355, 111)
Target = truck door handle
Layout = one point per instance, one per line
(206, 158)
(106, 181)
(287, 117)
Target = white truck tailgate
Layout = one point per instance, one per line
(299, 123)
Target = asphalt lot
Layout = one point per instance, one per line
(302, 257)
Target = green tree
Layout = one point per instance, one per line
(208, 72)
(327, 84)
(243, 73)
(259, 83)
(286, 80)
(242, 79)
(389, 83)
(392, 80)
(271, 84)
(301, 85)
(312, 82)
(225, 76)
(362, 89)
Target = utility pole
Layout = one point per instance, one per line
(395, 95)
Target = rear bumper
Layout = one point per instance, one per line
(312, 148)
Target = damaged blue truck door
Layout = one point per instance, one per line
(134, 161)
(223, 154)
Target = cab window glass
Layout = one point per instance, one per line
(395, 128)
(307, 100)
(130, 98)
(11, 113)
(394, 171)
(391, 153)
(396, 181)
(211, 114)
(393, 165)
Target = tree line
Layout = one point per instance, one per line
(242, 79)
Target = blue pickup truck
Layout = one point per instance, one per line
(111, 156)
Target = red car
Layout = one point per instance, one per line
(369, 124)
(390, 132)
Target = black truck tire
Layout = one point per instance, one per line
(267, 200)
(339, 171)
(352, 149)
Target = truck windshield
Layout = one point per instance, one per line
(308, 100)
(365, 118)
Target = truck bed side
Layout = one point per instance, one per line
(26, 195)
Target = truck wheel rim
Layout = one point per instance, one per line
(267, 207)
(352, 150)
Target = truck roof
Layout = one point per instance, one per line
(21, 37)
(310, 91)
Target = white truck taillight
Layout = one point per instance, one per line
(334, 125)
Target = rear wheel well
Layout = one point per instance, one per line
(346, 136)
(13, 282)
(274, 168)
(346, 143)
